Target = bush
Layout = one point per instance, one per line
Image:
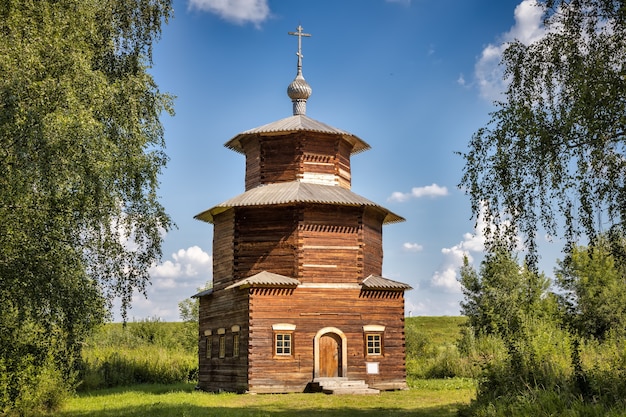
(431, 349)
(26, 389)
(603, 369)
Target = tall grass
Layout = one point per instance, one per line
(544, 370)
(432, 349)
(149, 351)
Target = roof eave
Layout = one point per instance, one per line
(384, 284)
(203, 293)
(296, 124)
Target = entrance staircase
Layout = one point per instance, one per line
(344, 386)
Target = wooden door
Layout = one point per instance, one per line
(330, 356)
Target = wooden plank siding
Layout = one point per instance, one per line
(304, 156)
(344, 309)
(279, 159)
(265, 240)
(223, 249)
(314, 243)
(372, 243)
(252, 149)
(223, 310)
(344, 149)
(330, 244)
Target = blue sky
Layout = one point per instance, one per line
(413, 78)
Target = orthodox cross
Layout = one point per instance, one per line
(299, 34)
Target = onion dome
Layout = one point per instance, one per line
(299, 90)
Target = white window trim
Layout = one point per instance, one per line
(284, 327)
(372, 328)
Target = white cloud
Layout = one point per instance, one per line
(446, 277)
(187, 265)
(173, 281)
(432, 190)
(415, 308)
(412, 247)
(236, 11)
(447, 280)
(528, 28)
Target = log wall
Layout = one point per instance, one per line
(252, 149)
(330, 244)
(346, 310)
(223, 249)
(265, 240)
(311, 157)
(223, 310)
(314, 243)
(372, 243)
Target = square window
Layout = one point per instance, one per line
(283, 344)
(374, 344)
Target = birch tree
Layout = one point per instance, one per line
(81, 149)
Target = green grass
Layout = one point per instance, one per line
(433, 398)
(427, 397)
(441, 330)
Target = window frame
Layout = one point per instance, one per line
(222, 346)
(283, 333)
(376, 351)
(208, 354)
(236, 342)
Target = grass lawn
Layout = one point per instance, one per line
(438, 398)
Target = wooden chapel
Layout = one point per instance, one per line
(298, 299)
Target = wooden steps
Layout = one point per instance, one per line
(344, 386)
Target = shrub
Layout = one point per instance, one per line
(603, 368)
(27, 389)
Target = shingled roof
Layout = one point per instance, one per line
(375, 282)
(293, 124)
(295, 192)
(266, 279)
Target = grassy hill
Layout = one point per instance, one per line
(439, 330)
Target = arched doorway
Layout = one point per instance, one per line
(330, 356)
(331, 348)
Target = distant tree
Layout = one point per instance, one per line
(594, 288)
(501, 294)
(81, 148)
(188, 309)
(554, 152)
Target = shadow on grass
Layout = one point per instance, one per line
(155, 404)
(188, 410)
(152, 389)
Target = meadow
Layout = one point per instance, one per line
(440, 398)
(122, 364)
